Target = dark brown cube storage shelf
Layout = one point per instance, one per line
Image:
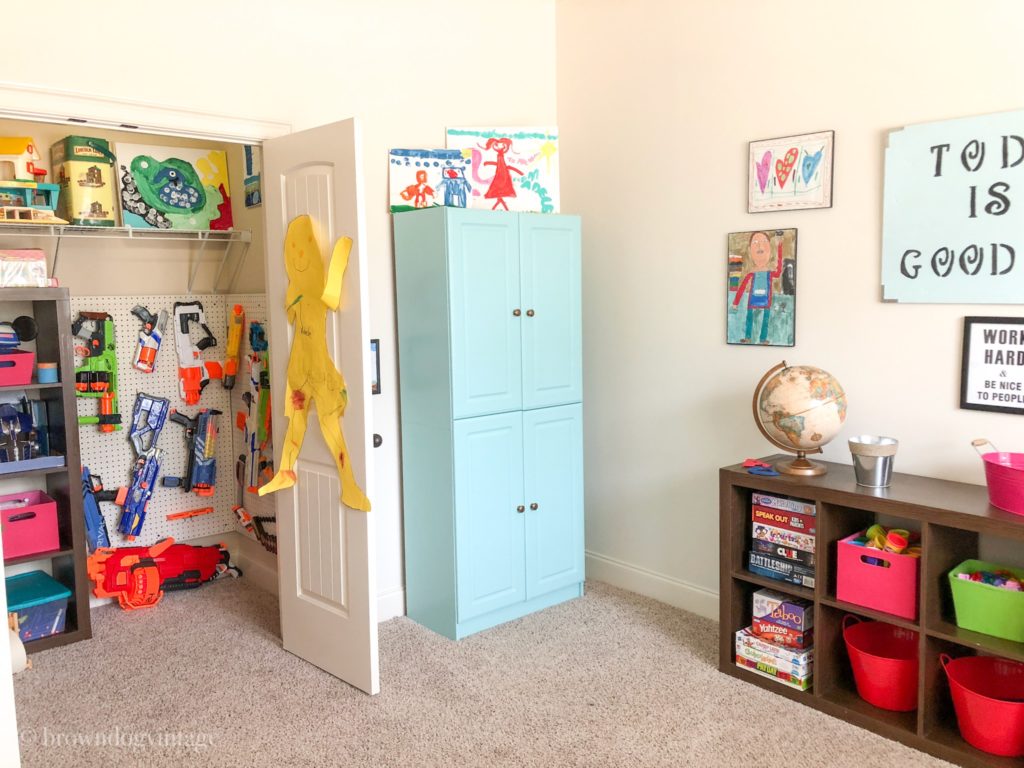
(51, 308)
(950, 516)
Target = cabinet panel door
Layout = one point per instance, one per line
(486, 353)
(552, 334)
(553, 463)
(489, 531)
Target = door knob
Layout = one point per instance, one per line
(520, 508)
(516, 312)
(529, 313)
(534, 505)
(377, 440)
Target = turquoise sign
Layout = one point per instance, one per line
(953, 230)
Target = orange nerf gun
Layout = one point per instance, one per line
(194, 373)
(236, 322)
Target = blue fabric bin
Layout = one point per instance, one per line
(41, 603)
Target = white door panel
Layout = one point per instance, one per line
(326, 551)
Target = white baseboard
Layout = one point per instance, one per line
(666, 589)
(390, 603)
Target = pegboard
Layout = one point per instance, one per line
(255, 305)
(110, 454)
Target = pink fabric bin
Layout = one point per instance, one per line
(16, 367)
(891, 588)
(29, 522)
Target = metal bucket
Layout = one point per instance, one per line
(872, 459)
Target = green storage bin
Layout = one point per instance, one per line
(987, 609)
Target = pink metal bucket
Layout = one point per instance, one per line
(1004, 473)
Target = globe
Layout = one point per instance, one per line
(799, 408)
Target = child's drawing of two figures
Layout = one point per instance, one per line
(762, 270)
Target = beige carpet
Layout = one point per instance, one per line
(612, 679)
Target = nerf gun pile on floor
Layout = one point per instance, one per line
(139, 576)
(97, 375)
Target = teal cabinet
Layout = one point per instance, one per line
(489, 330)
(549, 271)
(553, 479)
(485, 334)
(490, 531)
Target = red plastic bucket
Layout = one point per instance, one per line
(1004, 473)
(884, 661)
(988, 696)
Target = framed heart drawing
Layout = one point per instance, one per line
(790, 173)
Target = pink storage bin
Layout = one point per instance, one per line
(891, 588)
(16, 367)
(29, 523)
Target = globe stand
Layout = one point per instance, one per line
(801, 466)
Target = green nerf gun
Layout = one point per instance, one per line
(97, 375)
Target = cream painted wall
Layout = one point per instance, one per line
(656, 104)
(406, 69)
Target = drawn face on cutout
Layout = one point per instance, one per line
(760, 250)
(302, 259)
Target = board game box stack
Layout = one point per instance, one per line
(782, 539)
(779, 642)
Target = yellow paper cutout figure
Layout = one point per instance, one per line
(311, 372)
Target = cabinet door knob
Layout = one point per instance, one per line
(530, 313)
(534, 505)
(516, 312)
(520, 508)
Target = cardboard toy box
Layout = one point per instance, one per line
(86, 170)
(776, 633)
(791, 521)
(785, 504)
(783, 570)
(782, 609)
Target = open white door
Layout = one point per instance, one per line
(326, 551)
(9, 741)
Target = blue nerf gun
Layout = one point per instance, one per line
(201, 439)
(148, 420)
(96, 535)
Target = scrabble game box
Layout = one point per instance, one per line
(786, 553)
(784, 504)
